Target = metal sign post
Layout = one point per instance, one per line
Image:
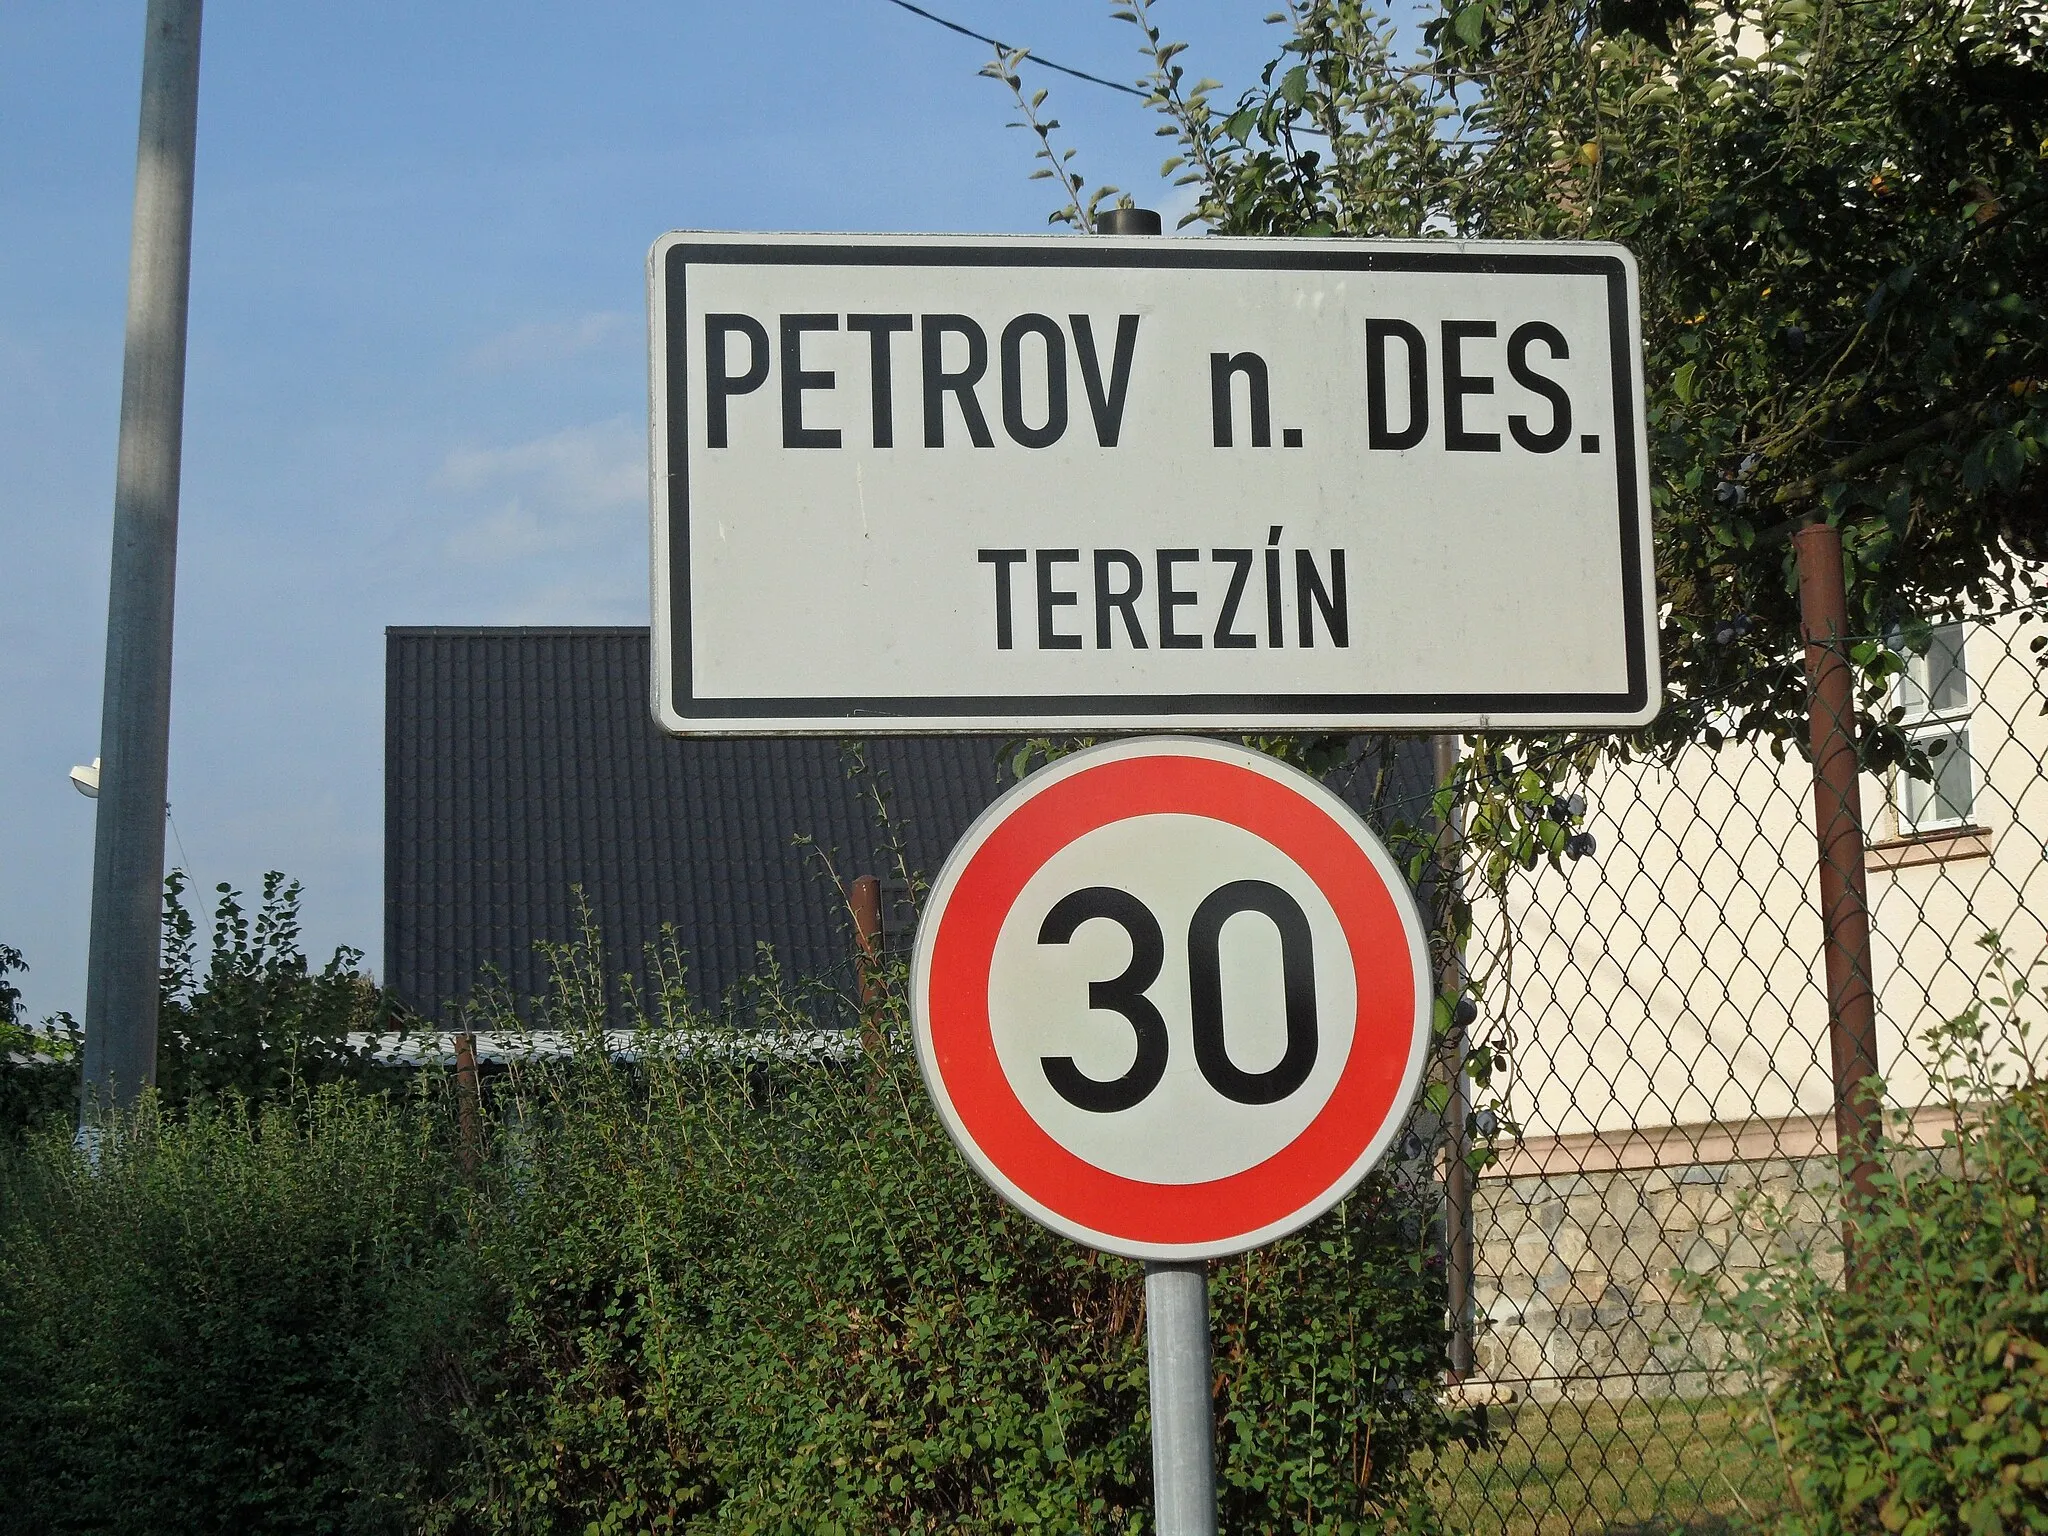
(1183, 1419)
(1039, 485)
(1068, 999)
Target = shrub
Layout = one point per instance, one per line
(1914, 1399)
(258, 1020)
(223, 1321)
(38, 1067)
(740, 1283)
(752, 1287)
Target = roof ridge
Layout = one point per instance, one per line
(510, 631)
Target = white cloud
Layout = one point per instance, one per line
(609, 596)
(548, 341)
(557, 492)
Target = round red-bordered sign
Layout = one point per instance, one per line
(1171, 997)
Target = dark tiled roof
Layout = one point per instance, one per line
(522, 763)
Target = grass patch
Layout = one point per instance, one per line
(1661, 1467)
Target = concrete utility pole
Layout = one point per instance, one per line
(135, 718)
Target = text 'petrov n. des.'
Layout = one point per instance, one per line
(958, 483)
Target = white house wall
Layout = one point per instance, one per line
(1672, 978)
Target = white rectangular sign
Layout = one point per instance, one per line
(1052, 483)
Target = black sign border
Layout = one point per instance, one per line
(906, 713)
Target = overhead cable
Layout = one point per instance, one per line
(1078, 74)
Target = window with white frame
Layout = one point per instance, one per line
(1934, 693)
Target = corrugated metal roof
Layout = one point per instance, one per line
(521, 764)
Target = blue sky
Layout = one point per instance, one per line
(416, 389)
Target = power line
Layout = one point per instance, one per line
(1078, 74)
(184, 858)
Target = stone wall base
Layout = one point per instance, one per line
(1581, 1287)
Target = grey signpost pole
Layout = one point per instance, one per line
(135, 720)
(1176, 1297)
(1183, 1428)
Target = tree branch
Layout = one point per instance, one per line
(1868, 457)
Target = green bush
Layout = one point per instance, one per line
(741, 1283)
(1914, 1399)
(225, 1320)
(753, 1287)
(255, 1021)
(258, 1020)
(38, 1067)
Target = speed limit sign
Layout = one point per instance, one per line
(1171, 997)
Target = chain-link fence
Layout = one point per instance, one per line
(1659, 1001)
(1652, 985)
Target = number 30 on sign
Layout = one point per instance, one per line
(1171, 997)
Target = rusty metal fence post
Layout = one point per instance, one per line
(865, 900)
(1838, 826)
(468, 1091)
(1444, 751)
